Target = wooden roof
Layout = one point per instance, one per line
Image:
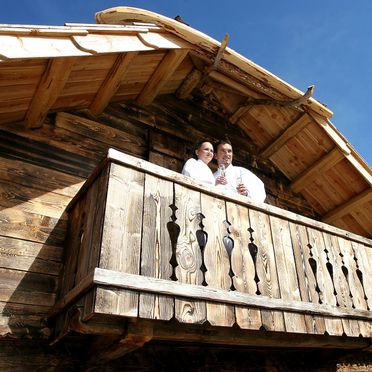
(133, 54)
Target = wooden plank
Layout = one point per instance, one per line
(291, 131)
(160, 76)
(51, 84)
(91, 233)
(341, 285)
(314, 324)
(156, 246)
(32, 200)
(188, 253)
(324, 283)
(112, 82)
(32, 227)
(29, 256)
(216, 259)
(88, 130)
(265, 266)
(350, 205)
(21, 173)
(27, 288)
(363, 257)
(121, 237)
(326, 162)
(242, 264)
(287, 275)
(350, 267)
(136, 282)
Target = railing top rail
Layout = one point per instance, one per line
(164, 173)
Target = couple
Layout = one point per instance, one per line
(235, 179)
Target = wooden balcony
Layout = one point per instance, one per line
(153, 255)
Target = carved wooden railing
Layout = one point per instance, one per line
(146, 242)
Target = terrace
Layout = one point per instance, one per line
(153, 255)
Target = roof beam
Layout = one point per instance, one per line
(189, 83)
(288, 134)
(112, 82)
(161, 75)
(326, 162)
(50, 86)
(348, 206)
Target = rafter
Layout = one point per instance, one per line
(112, 82)
(326, 162)
(50, 86)
(288, 133)
(196, 77)
(161, 75)
(349, 206)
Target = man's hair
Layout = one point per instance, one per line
(221, 142)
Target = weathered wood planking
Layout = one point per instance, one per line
(265, 268)
(324, 281)
(216, 258)
(341, 285)
(188, 252)
(121, 237)
(314, 324)
(351, 267)
(242, 264)
(33, 257)
(287, 275)
(156, 245)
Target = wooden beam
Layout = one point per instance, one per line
(189, 84)
(112, 82)
(349, 206)
(107, 348)
(240, 88)
(50, 86)
(140, 283)
(326, 162)
(288, 134)
(163, 72)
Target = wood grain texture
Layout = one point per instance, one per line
(156, 246)
(188, 253)
(121, 237)
(216, 258)
(287, 275)
(266, 268)
(242, 265)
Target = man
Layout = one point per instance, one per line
(236, 179)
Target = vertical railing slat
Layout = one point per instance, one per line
(216, 259)
(314, 323)
(121, 238)
(188, 253)
(242, 264)
(342, 291)
(156, 246)
(266, 268)
(285, 262)
(324, 280)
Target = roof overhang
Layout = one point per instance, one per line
(133, 54)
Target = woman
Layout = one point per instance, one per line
(197, 167)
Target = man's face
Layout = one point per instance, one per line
(224, 154)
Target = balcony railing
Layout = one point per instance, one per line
(148, 243)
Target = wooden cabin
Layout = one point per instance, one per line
(110, 259)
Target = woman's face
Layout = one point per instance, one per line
(205, 152)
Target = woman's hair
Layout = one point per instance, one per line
(197, 146)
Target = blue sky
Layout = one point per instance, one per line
(327, 43)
